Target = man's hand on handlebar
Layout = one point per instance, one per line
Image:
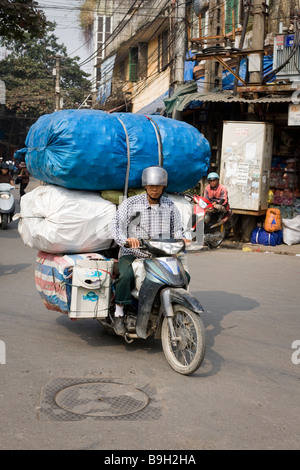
(132, 243)
(135, 243)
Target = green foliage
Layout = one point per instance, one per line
(28, 75)
(29, 89)
(20, 16)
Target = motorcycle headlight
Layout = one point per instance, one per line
(202, 204)
(4, 196)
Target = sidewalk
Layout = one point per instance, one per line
(293, 250)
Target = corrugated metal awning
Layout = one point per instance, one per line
(225, 97)
(273, 99)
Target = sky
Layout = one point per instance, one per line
(66, 14)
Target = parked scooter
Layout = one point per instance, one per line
(7, 204)
(219, 225)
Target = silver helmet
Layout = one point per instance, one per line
(154, 176)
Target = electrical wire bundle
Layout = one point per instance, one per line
(294, 49)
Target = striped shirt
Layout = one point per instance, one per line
(136, 218)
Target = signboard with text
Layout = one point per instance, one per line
(294, 115)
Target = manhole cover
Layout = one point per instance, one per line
(101, 399)
(68, 399)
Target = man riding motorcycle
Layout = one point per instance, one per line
(142, 216)
(5, 176)
(217, 194)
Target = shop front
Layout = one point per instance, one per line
(262, 175)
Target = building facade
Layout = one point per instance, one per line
(206, 63)
(134, 50)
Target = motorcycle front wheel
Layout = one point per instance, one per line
(4, 221)
(186, 353)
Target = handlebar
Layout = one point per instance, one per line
(145, 245)
(141, 246)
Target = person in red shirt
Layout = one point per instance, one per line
(217, 194)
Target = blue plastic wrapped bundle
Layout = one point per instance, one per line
(94, 150)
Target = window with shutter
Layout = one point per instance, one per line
(230, 22)
(104, 30)
(143, 60)
(133, 64)
(163, 51)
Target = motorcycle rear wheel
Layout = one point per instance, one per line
(186, 356)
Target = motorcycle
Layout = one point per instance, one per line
(161, 305)
(7, 204)
(219, 225)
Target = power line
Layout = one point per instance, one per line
(117, 30)
(153, 57)
(152, 60)
(141, 89)
(67, 8)
(121, 58)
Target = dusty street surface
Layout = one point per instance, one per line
(245, 395)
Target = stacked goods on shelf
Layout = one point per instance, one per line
(284, 186)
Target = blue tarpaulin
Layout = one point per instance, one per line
(228, 78)
(87, 149)
(189, 67)
(107, 69)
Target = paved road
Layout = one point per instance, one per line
(245, 395)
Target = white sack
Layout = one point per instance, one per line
(186, 211)
(59, 220)
(291, 230)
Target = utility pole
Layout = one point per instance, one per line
(246, 6)
(179, 48)
(180, 42)
(211, 69)
(258, 38)
(57, 83)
